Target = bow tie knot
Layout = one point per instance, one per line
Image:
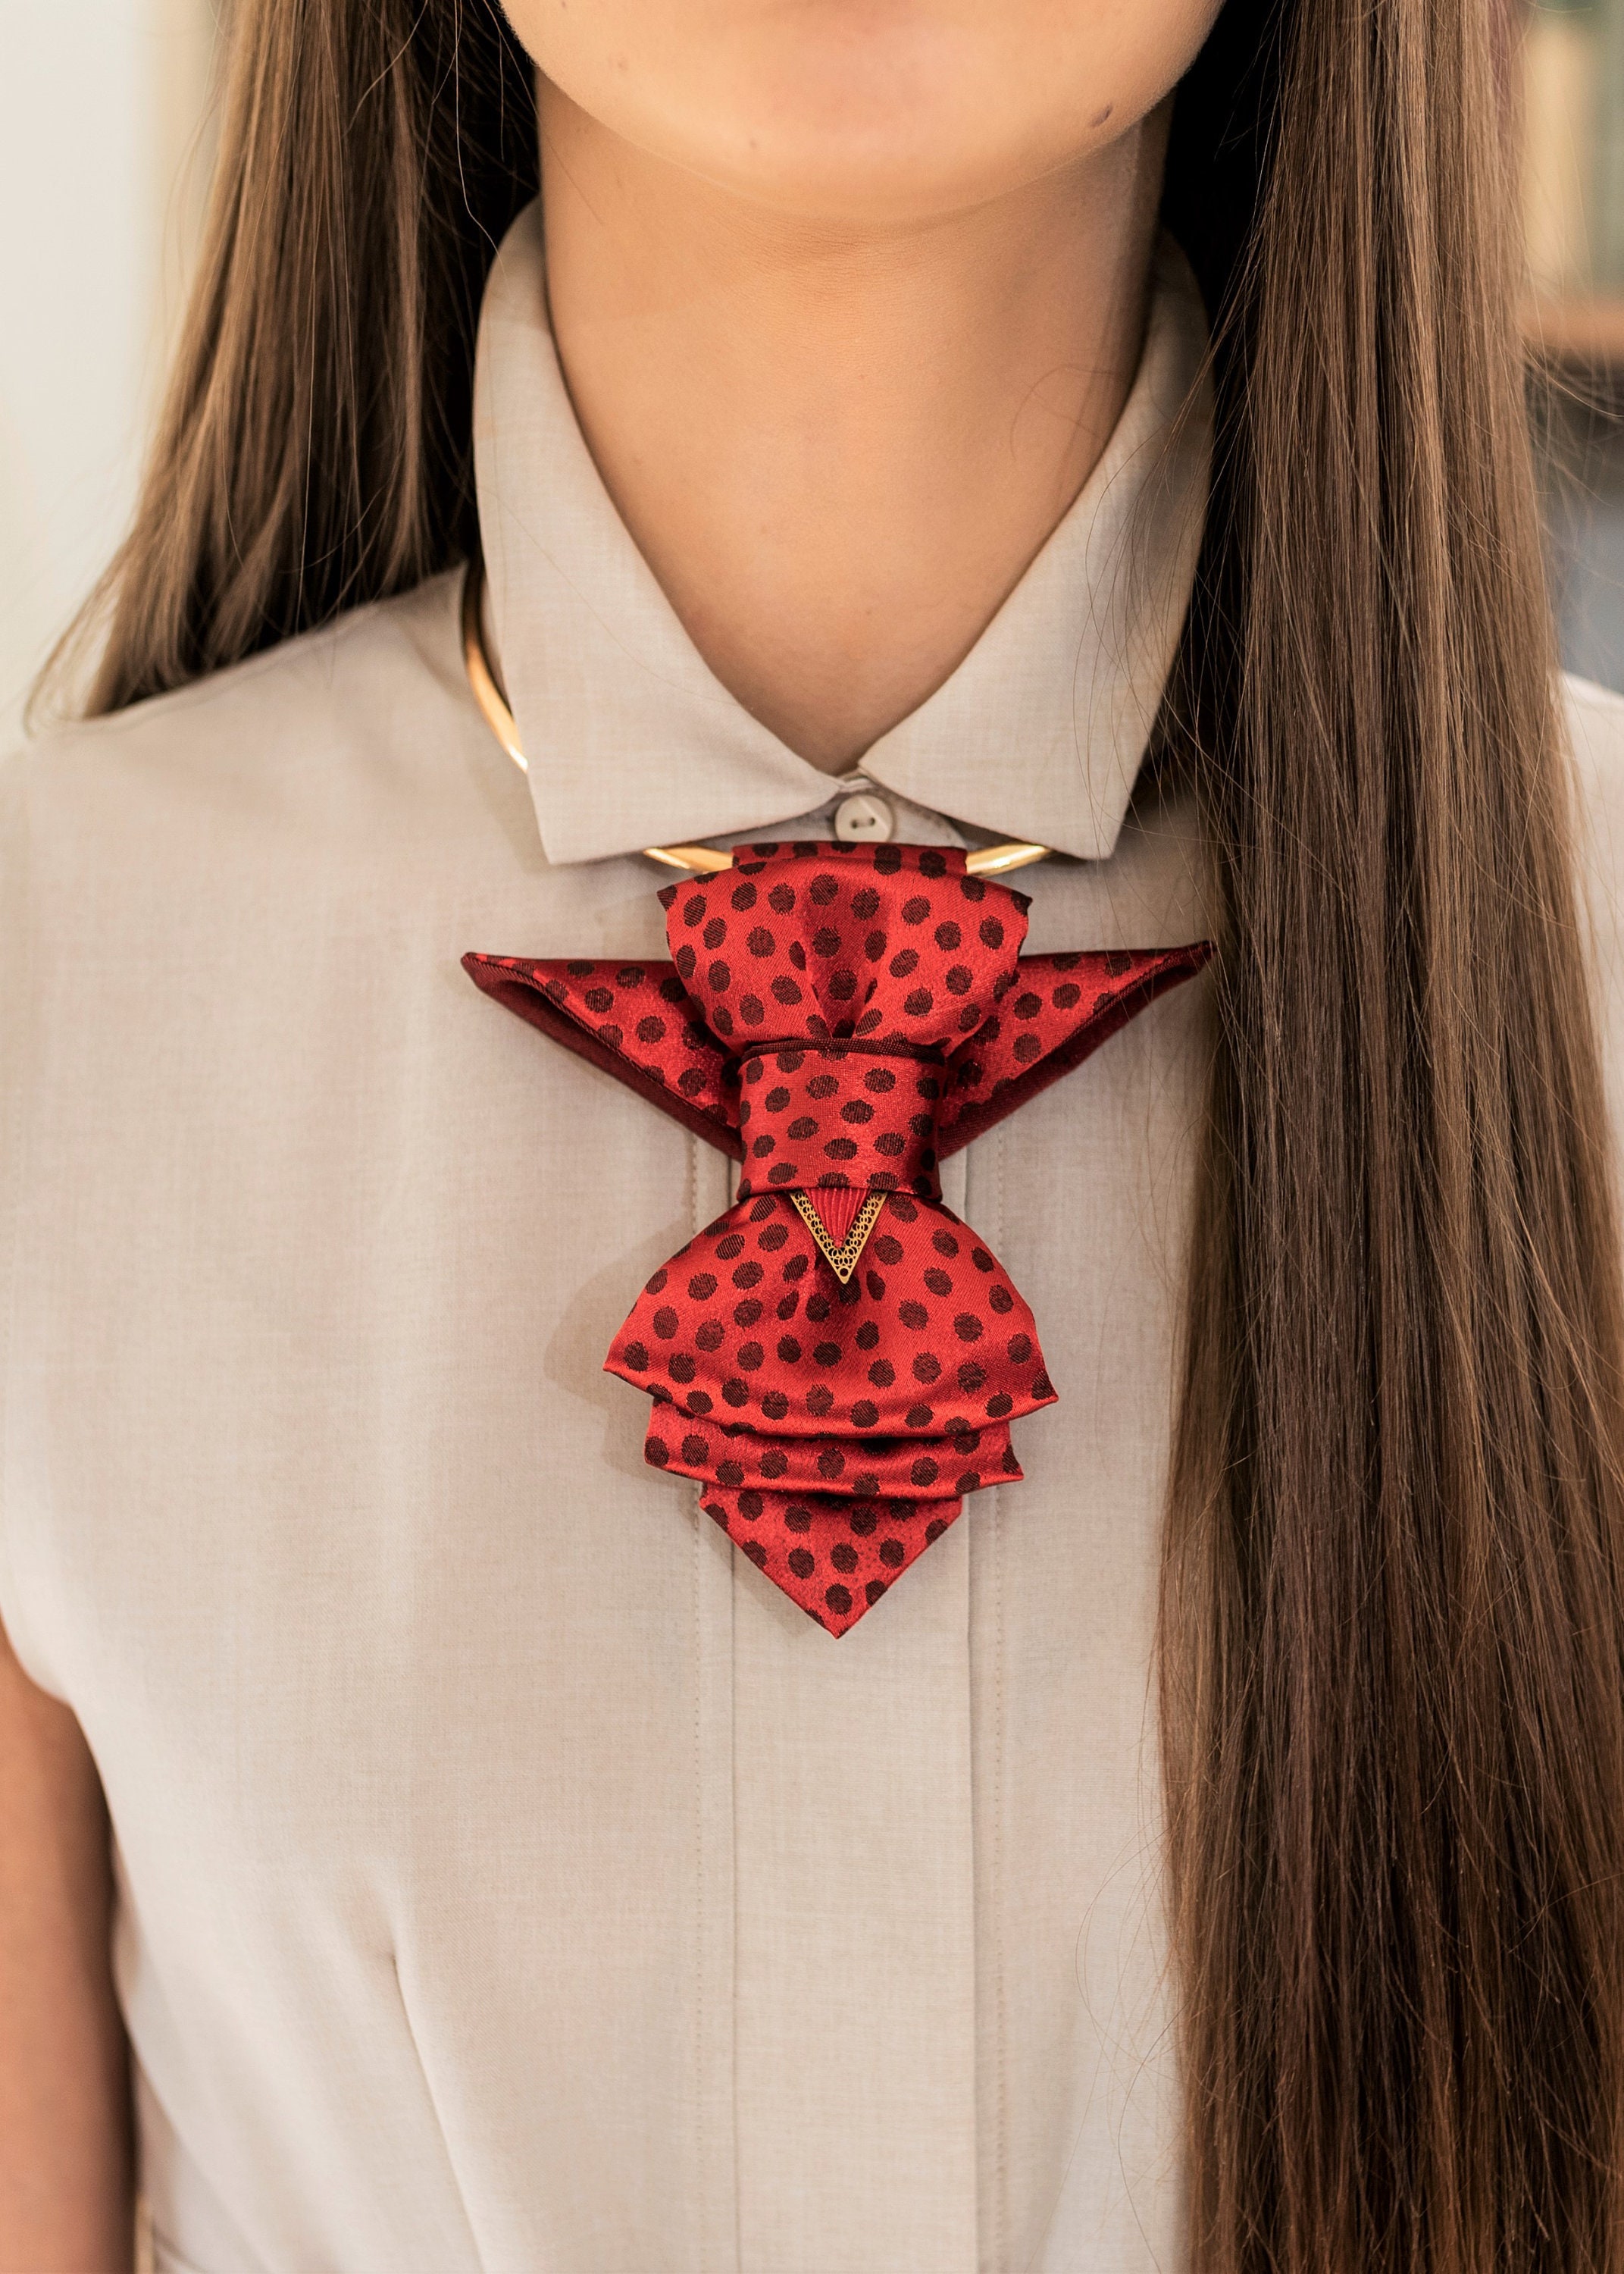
(826, 944)
(837, 1359)
(839, 1114)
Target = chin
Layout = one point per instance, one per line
(853, 162)
(857, 108)
(882, 113)
(851, 175)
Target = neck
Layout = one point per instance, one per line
(839, 449)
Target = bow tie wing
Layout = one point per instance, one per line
(635, 1020)
(838, 1359)
(1059, 1012)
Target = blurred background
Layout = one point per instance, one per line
(104, 150)
(1568, 84)
(105, 144)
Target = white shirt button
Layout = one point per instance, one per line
(863, 819)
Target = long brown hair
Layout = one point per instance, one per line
(1393, 1633)
(1393, 1637)
(315, 449)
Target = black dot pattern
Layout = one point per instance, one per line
(787, 1394)
(838, 1017)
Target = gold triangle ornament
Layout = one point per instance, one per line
(842, 1260)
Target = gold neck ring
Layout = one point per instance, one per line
(985, 861)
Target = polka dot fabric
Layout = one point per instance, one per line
(830, 1421)
(637, 1022)
(891, 945)
(838, 1116)
(837, 1017)
(1061, 1008)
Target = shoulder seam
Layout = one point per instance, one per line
(1590, 693)
(244, 673)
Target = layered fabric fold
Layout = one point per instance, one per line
(838, 1359)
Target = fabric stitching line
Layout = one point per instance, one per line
(18, 1150)
(731, 1174)
(1000, 2166)
(699, 1889)
(701, 2190)
(458, 2189)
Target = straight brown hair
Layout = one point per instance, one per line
(1393, 1625)
(315, 449)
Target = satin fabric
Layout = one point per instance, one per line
(837, 1017)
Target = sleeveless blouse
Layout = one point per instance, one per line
(510, 1878)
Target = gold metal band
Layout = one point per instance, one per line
(988, 861)
(487, 693)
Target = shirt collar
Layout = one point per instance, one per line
(632, 741)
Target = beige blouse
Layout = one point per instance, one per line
(509, 1877)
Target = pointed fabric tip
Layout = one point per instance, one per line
(834, 1429)
(837, 1359)
(834, 1558)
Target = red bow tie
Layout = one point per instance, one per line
(838, 1359)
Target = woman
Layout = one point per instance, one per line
(1206, 1851)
